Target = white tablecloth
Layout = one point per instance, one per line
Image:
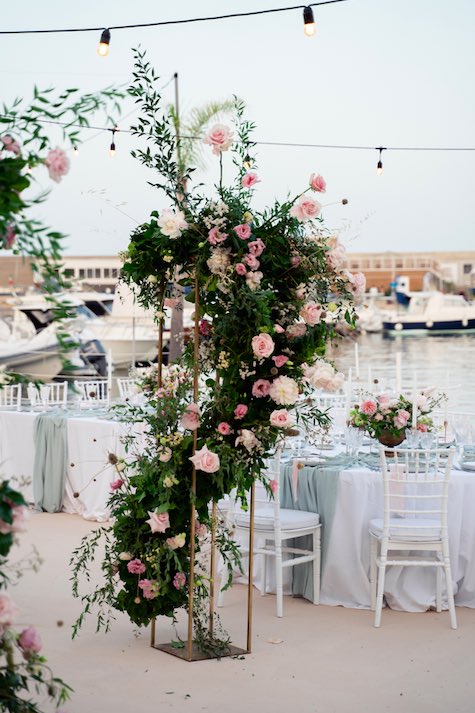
(90, 440)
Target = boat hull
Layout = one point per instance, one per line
(428, 327)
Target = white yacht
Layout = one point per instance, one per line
(432, 312)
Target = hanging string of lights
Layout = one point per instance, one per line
(105, 38)
(247, 160)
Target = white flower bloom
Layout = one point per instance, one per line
(219, 261)
(172, 223)
(284, 391)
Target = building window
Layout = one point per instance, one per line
(114, 272)
(82, 273)
(467, 268)
(107, 272)
(89, 271)
(69, 272)
(97, 272)
(354, 264)
(399, 264)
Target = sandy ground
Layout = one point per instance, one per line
(316, 659)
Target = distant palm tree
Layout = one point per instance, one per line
(190, 153)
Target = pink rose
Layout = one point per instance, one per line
(29, 641)
(273, 485)
(10, 144)
(251, 261)
(280, 418)
(250, 179)
(240, 411)
(401, 418)
(369, 408)
(317, 183)
(356, 283)
(280, 360)
(220, 138)
(256, 247)
(215, 236)
(422, 427)
(296, 330)
(240, 268)
(305, 209)
(260, 388)
(57, 164)
(136, 567)
(224, 428)
(190, 419)
(311, 313)
(278, 329)
(262, 345)
(116, 484)
(159, 521)
(384, 399)
(295, 260)
(243, 231)
(205, 460)
(179, 580)
(20, 515)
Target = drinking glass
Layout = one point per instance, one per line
(32, 392)
(354, 440)
(427, 439)
(412, 437)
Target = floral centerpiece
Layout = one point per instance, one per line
(385, 417)
(268, 288)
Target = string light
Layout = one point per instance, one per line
(309, 26)
(75, 151)
(112, 146)
(247, 162)
(103, 48)
(379, 167)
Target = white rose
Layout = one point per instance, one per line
(248, 439)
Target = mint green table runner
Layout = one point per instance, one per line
(317, 488)
(51, 461)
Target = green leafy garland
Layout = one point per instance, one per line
(268, 288)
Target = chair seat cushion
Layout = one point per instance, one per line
(412, 530)
(289, 519)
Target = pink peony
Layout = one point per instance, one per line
(215, 236)
(159, 521)
(243, 231)
(273, 485)
(284, 391)
(262, 345)
(369, 408)
(250, 179)
(251, 261)
(20, 515)
(260, 388)
(190, 419)
(29, 641)
(240, 268)
(116, 484)
(311, 313)
(296, 330)
(220, 138)
(295, 261)
(401, 418)
(280, 418)
(179, 580)
(256, 247)
(136, 567)
(224, 428)
(149, 588)
(280, 360)
(57, 164)
(305, 209)
(240, 411)
(317, 183)
(205, 460)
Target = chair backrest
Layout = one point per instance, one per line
(93, 393)
(58, 393)
(10, 396)
(127, 388)
(330, 401)
(415, 487)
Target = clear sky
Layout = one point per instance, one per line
(378, 72)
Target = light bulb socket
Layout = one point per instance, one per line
(104, 42)
(247, 162)
(308, 21)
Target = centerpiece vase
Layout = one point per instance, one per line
(390, 439)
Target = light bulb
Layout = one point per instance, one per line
(247, 162)
(379, 168)
(103, 48)
(112, 149)
(75, 151)
(309, 26)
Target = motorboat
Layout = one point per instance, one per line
(432, 312)
(30, 342)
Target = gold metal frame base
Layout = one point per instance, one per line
(196, 653)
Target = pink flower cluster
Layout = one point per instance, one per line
(205, 460)
(305, 209)
(57, 164)
(190, 419)
(19, 517)
(10, 144)
(158, 521)
(220, 138)
(179, 580)
(136, 567)
(149, 587)
(29, 642)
